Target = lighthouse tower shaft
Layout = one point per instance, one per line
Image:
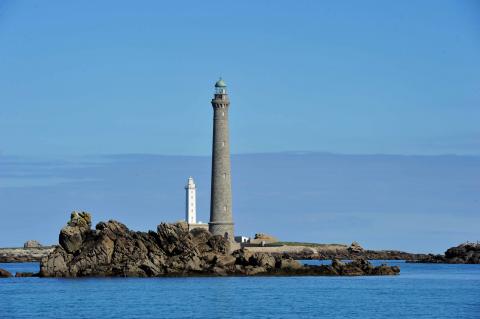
(191, 202)
(221, 222)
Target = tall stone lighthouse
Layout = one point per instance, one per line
(221, 222)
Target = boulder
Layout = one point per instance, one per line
(286, 263)
(75, 232)
(351, 269)
(32, 244)
(4, 273)
(337, 263)
(26, 274)
(355, 248)
(251, 270)
(263, 238)
(384, 270)
(225, 260)
(362, 267)
(174, 239)
(264, 260)
(55, 264)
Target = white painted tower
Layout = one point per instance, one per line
(191, 207)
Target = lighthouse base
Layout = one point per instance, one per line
(223, 229)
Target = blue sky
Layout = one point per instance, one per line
(116, 77)
(83, 83)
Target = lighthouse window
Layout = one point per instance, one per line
(223, 143)
(225, 208)
(223, 113)
(224, 175)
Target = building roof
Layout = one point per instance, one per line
(220, 83)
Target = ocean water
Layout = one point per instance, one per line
(420, 291)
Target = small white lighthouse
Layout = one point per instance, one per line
(191, 206)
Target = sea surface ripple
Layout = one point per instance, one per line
(420, 291)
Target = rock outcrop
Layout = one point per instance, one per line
(263, 238)
(32, 244)
(78, 228)
(355, 248)
(336, 251)
(358, 267)
(21, 255)
(26, 274)
(467, 253)
(111, 249)
(4, 273)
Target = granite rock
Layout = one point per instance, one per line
(263, 238)
(20, 255)
(111, 249)
(26, 274)
(32, 244)
(355, 248)
(75, 232)
(466, 253)
(4, 273)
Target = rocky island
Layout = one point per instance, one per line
(24, 254)
(466, 253)
(295, 250)
(315, 251)
(111, 249)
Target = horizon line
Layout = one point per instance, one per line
(290, 152)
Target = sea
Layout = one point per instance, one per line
(420, 291)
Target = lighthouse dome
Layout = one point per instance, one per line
(220, 83)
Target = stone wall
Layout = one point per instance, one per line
(197, 226)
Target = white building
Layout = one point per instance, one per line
(242, 239)
(191, 204)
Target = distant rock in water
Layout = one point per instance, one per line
(26, 274)
(114, 250)
(21, 255)
(32, 244)
(4, 273)
(467, 253)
